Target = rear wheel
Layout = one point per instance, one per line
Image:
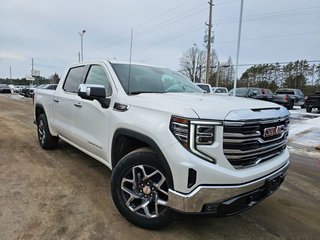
(291, 104)
(308, 109)
(140, 190)
(46, 140)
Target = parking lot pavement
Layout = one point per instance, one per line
(64, 194)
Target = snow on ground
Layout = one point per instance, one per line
(304, 133)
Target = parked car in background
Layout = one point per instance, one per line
(313, 101)
(18, 88)
(4, 88)
(220, 90)
(27, 91)
(248, 93)
(205, 87)
(267, 94)
(289, 97)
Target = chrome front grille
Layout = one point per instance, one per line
(248, 143)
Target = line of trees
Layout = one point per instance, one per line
(299, 74)
(54, 78)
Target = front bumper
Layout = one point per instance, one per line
(227, 200)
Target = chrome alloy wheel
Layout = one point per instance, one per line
(145, 191)
(42, 132)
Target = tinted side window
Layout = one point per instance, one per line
(98, 76)
(74, 79)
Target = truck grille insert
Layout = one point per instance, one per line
(246, 144)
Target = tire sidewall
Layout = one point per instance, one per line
(50, 142)
(141, 157)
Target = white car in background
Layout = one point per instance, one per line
(220, 90)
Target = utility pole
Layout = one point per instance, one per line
(10, 75)
(79, 57)
(32, 67)
(209, 42)
(217, 75)
(238, 49)
(32, 70)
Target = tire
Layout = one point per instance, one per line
(290, 107)
(303, 106)
(308, 109)
(139, 178)
(46, 140)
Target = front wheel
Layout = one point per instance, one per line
(139, 189)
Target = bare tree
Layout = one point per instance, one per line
(54, 79)
(192, 64)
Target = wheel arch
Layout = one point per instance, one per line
(39, 109)
(138, 138)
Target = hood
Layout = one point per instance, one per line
(205, 106)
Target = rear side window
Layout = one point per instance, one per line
(74, 79)
(285, 92)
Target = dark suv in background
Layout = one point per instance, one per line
(256, 93)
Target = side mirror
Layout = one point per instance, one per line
(94, 92)
(91, 91)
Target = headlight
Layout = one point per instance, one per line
(204, 134)
(193, 133)
(180, 129)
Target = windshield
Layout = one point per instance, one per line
(146, 79)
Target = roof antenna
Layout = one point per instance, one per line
(130, 62)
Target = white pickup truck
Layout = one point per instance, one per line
(171, 147)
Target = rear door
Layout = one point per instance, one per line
(66, 103)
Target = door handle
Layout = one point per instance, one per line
(78, 105)
(56, 100)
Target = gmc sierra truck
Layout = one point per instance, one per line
(289, 97)
(171, 147)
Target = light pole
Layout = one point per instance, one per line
(194, 67)
(238, 49)
(81, 37)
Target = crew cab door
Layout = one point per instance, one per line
(92, 120)
(64, 104)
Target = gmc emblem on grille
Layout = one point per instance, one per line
(272, 131)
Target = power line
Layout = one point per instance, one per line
(271, 37)
(145, 21)
(272, 15)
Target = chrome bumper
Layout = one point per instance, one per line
(195, 201)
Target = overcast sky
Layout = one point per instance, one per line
(273, 31)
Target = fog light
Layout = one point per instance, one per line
(210, 207)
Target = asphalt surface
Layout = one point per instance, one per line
(64, 194)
